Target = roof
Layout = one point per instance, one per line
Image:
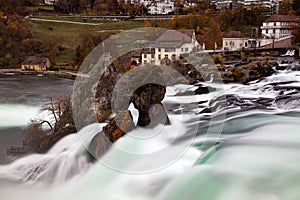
(136, 53)
(189, 32)
(148, 51)
(173, 39)
(283, 18)
(234, 34)
(32, 60)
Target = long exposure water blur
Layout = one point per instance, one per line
(256, 156)
(21, 99)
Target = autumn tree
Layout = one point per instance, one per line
(189, 21)
(285, 6)
(296, 34)
(11, 7)
(84, 5)
(211, 35)
(17, 43)
(68, 6)
(88, 42)
(41, 134)
(100, 7)
(296, 5)
(226, 18)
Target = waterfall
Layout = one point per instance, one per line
(254, 156)
(63, 161)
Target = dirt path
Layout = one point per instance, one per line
(68, 22)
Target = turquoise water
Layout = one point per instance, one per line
(246, 148)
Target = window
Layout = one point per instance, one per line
(267, 31)
(173, 57)
(152, 55)
(181, 49)
(166, 56)
(145, 55)
(186, 49)
(170, 49)
(159, 57)
(159, 50)
(226, 43)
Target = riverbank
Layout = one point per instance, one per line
(9, 137)
(58, 74)
(22, 96)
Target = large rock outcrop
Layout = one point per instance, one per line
(146, 99)
(245, 73)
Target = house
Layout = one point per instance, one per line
(161, 7)
(50, 2)
(136, 56)
(279, 26)
(148, 55)
(170, 46)
(235, 40)
(270, 5)
(155, 7)
(225, 3)
(33, 63)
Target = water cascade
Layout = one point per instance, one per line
(256, 156)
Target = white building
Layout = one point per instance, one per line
(162, 7)
(170, 46)
(226, 3)
(278, 26)
(269, 4)
(50, 2)
(235, 40)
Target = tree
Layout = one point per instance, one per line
(296, 34)
(296, 5)
(11, 7)
(211, 35)
(39, 139)
(68, 6)
(285, 6)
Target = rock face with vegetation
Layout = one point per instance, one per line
(104, 92)
(247, 72)
(146, 98)
(39, 139)
(242, 73)
(115, 129)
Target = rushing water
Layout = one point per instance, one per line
(256, 155)
(21, 99)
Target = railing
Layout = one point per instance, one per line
(14, 150)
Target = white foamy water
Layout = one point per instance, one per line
(17, 115)
(256, 157)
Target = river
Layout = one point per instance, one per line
(21, 98)
(242, 145)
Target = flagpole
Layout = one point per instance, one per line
(215, 48)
